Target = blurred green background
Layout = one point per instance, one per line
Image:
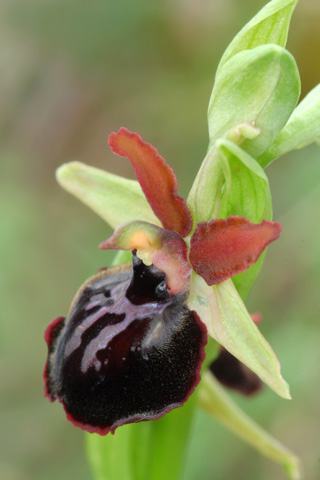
(71, 73)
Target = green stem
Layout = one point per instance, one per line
(217, 403)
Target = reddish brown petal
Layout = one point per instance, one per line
(156, 178)
(223, 248)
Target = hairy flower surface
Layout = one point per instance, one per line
(132, 345)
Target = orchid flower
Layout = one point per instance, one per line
(160, 285)
(139, 337)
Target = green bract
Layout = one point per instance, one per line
(303, 128)
(260, 87)
(270, 25)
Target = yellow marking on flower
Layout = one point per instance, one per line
(140, 241)
(145, 256)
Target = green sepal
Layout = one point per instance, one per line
(229, 323)
(116, 199)
(151, 450)
(269, 25)
(260, 87)
(214, 399)
(303, 128)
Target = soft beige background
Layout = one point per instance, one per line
(70, 73)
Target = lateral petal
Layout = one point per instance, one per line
(223, 248)
(156, 179)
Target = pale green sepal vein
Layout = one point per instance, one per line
(115, 199)
(260, 87)
(303, 128)
(270, 25)
(229, 323)
(214, 399)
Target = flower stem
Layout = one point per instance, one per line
(217, 403)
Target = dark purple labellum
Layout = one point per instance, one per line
(234, 374)
(128, 351)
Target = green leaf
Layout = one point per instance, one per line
(260, 87)
(229, 323)
(216, 402)
(303, 128)
(116, 199)
(270, 25)
(151, 450)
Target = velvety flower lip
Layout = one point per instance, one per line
(156, 179)
(121, 354)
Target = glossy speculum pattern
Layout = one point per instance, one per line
(128, 351)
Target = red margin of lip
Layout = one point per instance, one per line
(49, 336)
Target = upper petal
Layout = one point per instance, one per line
(223, 248)
(156, 178)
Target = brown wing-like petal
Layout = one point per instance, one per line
(156, 178)
(223, 248)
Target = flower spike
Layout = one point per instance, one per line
(223, 248)
(156, 178)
